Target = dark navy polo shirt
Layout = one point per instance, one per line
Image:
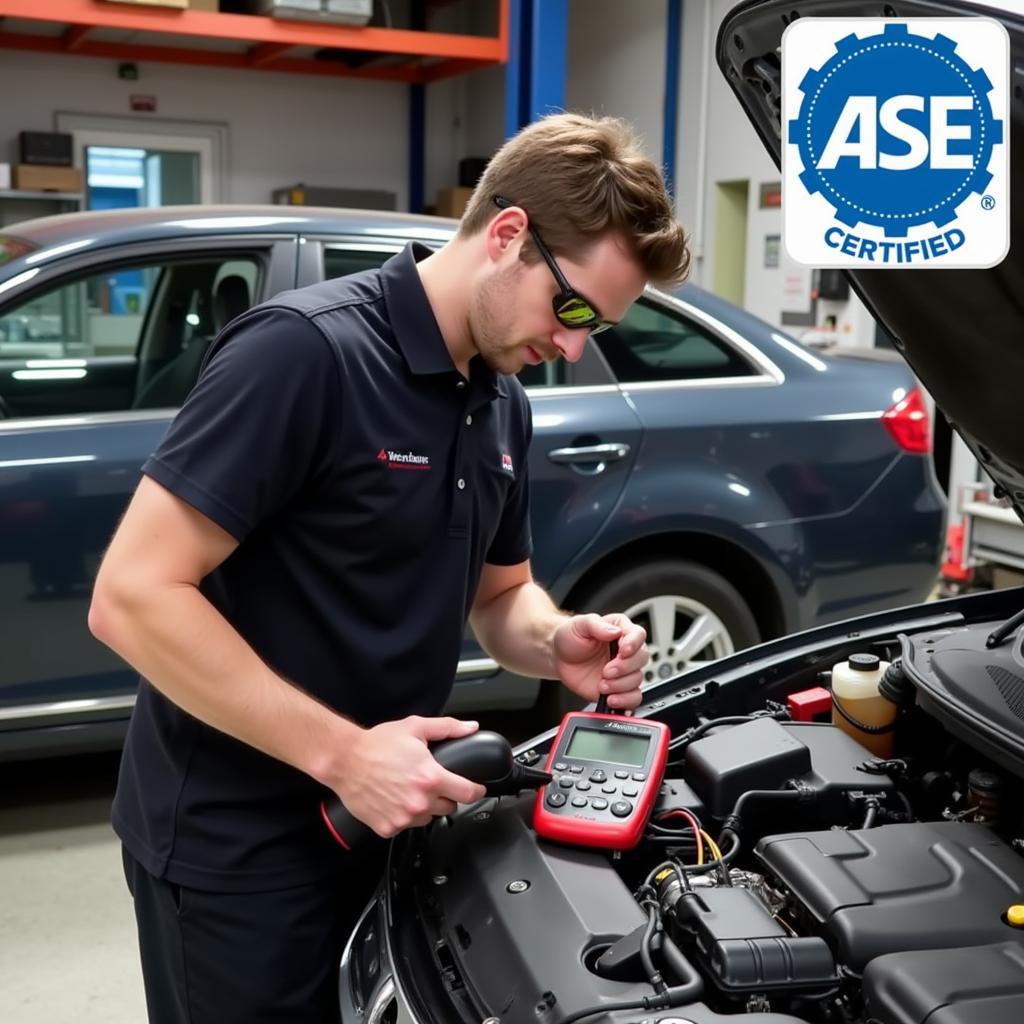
(367, 482)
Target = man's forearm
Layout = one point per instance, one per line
(516, 629)
(179, 642)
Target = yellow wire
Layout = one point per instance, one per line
(712, 846)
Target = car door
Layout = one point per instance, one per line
(120, 336)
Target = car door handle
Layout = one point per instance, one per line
(590, 459)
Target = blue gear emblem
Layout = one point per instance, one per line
(895, 63)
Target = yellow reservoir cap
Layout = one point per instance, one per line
(1015, 915)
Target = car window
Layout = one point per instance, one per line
(339, 261)
(655, 344)
(128, 337)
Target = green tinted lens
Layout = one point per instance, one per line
(575, 312)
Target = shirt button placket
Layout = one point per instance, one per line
(460, 505)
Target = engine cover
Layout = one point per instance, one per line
(954, 986)
(927, 885)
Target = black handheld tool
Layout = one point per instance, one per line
(602, 701)
(484, 757)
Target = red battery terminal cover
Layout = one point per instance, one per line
(806, 705)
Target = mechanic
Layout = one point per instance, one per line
(345, 486)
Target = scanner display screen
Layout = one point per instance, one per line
(603, 745)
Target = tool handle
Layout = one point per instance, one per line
(602, 701)
(484, 757)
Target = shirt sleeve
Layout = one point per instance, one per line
(513, 540)
(259, 423)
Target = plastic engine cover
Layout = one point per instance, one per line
(952, 986)
(927, 885)
(754, 755)
(765, 754)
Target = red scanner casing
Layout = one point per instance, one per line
(621, 760)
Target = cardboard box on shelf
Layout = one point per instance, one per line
(180, 4)
(204, 5)
(41, 178)
(451, 202)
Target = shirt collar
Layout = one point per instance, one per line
(415, 326)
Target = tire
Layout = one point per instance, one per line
(668, 598)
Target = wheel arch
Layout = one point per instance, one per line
(729, 560)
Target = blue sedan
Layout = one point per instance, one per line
(696, 468)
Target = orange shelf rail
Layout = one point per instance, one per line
(423, 56)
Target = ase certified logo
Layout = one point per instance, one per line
(895, 142)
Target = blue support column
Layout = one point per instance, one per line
(673, 55)
(535, 73)
(548, 45)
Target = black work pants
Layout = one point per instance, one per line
(244, 958)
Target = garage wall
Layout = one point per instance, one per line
(717, 143)
(616, 63)
(283, 128)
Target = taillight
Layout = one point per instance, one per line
(907, 421)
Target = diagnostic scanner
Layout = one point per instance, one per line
(606, 773)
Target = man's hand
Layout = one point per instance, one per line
(391, 782)
(582, 651)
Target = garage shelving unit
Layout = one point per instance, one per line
(128, 32)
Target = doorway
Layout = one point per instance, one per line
(730, 261)
(127, 162)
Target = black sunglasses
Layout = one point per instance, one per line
(572, 309)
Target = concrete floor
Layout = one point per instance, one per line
(67, 933)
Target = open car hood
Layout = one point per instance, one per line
(961, 331)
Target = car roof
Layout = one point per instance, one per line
(118, 227)
(50, 238)
(64, 232)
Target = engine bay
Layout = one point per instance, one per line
(787, 871)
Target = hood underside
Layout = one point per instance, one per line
(961, 331)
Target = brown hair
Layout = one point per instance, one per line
(579, 178)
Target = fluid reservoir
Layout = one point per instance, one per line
(855, 690)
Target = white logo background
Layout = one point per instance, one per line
(807, 44)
